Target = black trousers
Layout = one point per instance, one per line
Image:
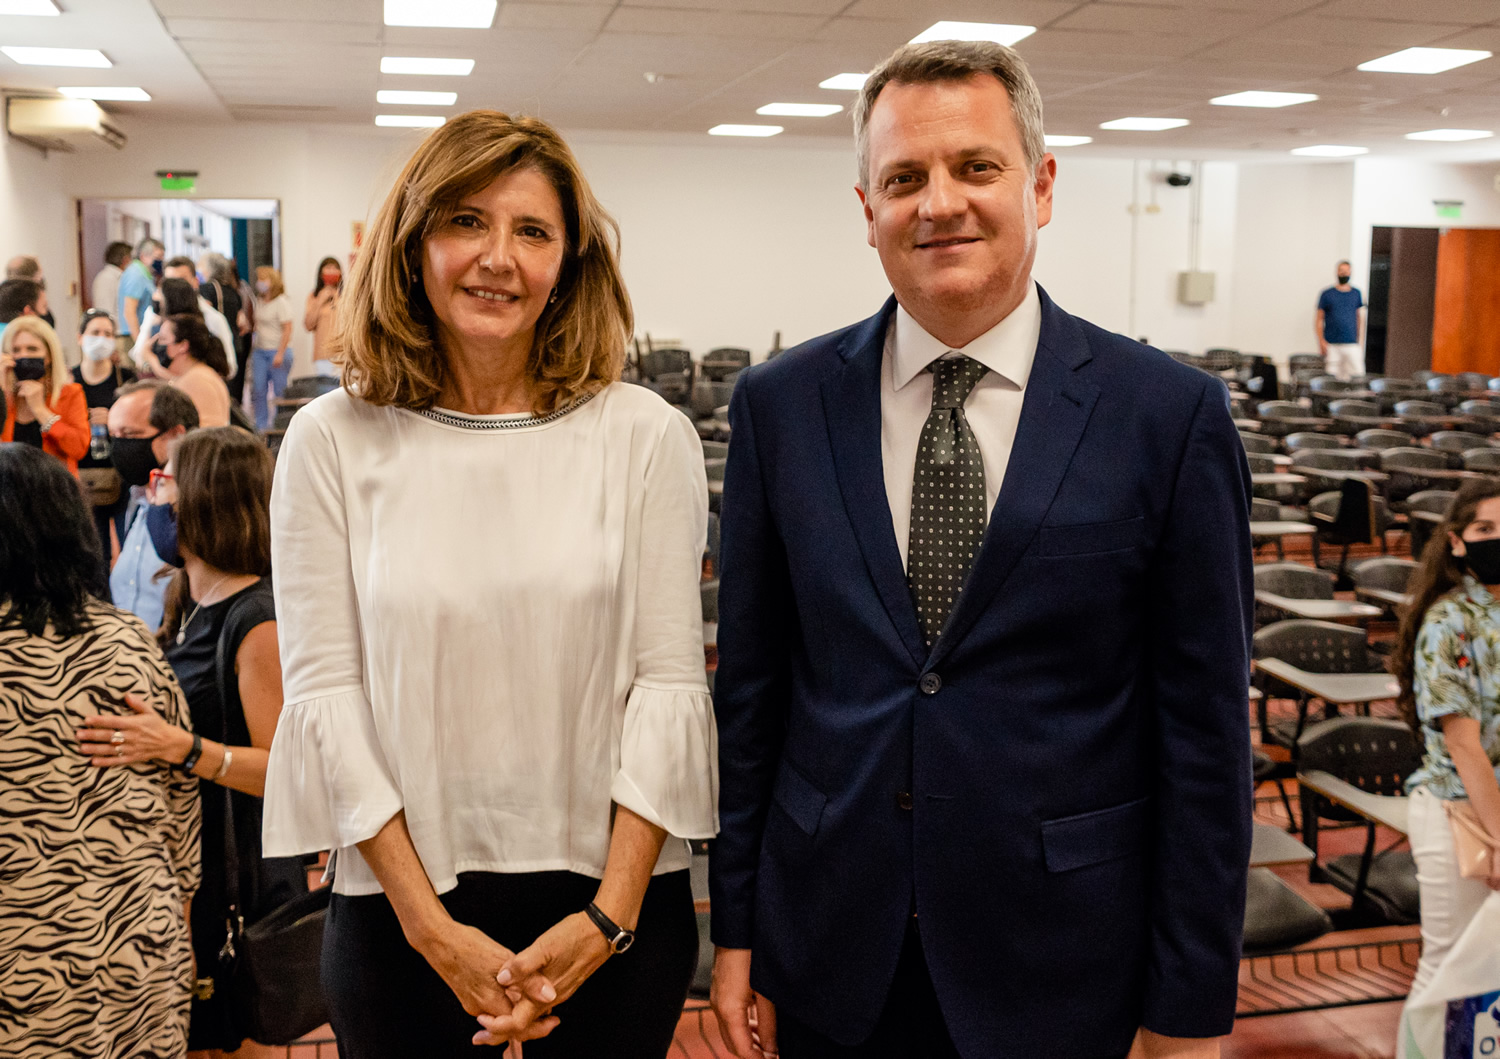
(387, 1003)
(910, 1026)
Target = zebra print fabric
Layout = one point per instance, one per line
(95, 864)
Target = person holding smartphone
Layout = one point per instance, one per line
(46, 409)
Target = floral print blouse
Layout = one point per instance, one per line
(1457, 654)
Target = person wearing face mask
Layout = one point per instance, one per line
(174, 296)
(321, 311)
(1447, 660)
(194, 362)
(147, 419)
(271, 359)
(210, 518)
(100, 373)
(1340, 315)
(136, 285)
(46, 409)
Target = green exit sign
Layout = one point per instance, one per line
(1449, 209)
(177, 183)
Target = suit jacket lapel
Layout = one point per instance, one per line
(851, 403)
(1054, 413)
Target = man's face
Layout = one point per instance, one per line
(130, 417)
(951, 205)
(182, 272)
(1343, 276)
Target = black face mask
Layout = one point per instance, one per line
(161, 524)
(133, 458)
(1343, 279)
(162, 356)
(1483, 560)
(30, 369)
(157, 267)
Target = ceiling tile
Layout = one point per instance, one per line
(1014, 12)
(740, 25)
(1464, 12)
(587, 18)
(1153, 18)
(785, 7)
(235, 29)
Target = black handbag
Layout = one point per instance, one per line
(271, 967)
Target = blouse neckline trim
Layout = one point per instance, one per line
(508, 421)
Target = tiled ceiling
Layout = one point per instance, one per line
(583, 63)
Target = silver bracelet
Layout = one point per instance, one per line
(50, 422)
(224, 765)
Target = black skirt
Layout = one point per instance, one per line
(387, 1003)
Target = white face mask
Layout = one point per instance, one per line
(97, 347)
(263, 287)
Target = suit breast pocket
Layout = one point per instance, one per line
(1092, 537)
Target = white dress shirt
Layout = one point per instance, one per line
(993, 408)
(493, 623)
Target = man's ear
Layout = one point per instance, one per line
(864, 201)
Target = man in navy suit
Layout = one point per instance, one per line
(984, 630)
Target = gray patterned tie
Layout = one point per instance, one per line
(947, 497)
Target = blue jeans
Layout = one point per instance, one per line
(261, 373)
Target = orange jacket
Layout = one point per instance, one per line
(69, 437)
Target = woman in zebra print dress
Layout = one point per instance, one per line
(97, 866)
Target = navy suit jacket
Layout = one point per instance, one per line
(1061, 789)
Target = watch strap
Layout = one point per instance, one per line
(193, 755)
(618, 937)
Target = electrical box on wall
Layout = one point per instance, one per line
(1195, 288)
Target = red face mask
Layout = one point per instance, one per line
(331, 277)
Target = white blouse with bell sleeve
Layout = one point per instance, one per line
(493, 623)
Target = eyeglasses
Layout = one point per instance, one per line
(156, 478)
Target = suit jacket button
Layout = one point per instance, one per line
(903, 800)
(930, 683)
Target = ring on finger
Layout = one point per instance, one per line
(117, 738)
(119, 750)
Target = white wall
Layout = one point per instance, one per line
(726, 243)
(38, 217)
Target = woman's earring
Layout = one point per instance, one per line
(552, 298)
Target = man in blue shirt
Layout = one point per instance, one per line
(145, 421)
(136, 285)
(1339, 328)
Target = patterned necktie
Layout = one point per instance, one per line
(947, 497)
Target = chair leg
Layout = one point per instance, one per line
(1286, 803)
(1366, 861)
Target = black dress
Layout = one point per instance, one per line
(264, 884)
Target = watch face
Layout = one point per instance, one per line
(623, 941)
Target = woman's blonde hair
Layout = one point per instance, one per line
(386, 330)
(58, 376)
(271, 276)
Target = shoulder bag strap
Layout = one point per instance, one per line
(224, 672)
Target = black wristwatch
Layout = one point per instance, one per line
(618, 937)
(193, 754)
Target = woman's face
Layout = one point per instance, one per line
(490, 268)
(28, 348)
(100, 325)
(1486, 525)
(331, 275)
(177, 350)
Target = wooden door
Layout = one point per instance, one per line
(1466, 306)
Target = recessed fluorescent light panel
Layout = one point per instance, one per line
(116, 93)
(392, 64)
(1067, 141)
(409, 121)
(799, 110)
(1423, 61)
(1329, 150)
(28, 7)
(417, 99)
(745, 130)
(1144, 124)
(998, 32)
(448, 14)
(1263, 99)
(845, 82)
(1450, 135)
(90, 57)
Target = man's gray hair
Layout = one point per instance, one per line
(146, 244)
(954, 60)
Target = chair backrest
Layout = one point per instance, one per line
(1380, 440)
(1423, 377)
(1328, 384)
(1258, 443)
(722, 390)
(1387, 572)
(1446, 383)
(1437, 501)
(702, 400)
(1280, 409)
(310, 386)
(660, 362)
(1413, 459)
(1375, 754)
(1220, 359)
(1484, 406)
(724, 361)
(1351, 407)
(1418, 408)
(1260, 463)
(1304, 360)
(1264, 510)
(715, 450)
(1333, 459)
(1495, 384)
(1307, 439)
(1453, 441)
(1316, 646)
(714, 469)
(1357, 513)
(1294, 580)
(1473, 380)
(1485, 459)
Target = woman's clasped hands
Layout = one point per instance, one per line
(543, 975)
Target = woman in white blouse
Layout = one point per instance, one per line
(487, 555)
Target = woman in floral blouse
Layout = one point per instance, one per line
(1447, 658)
